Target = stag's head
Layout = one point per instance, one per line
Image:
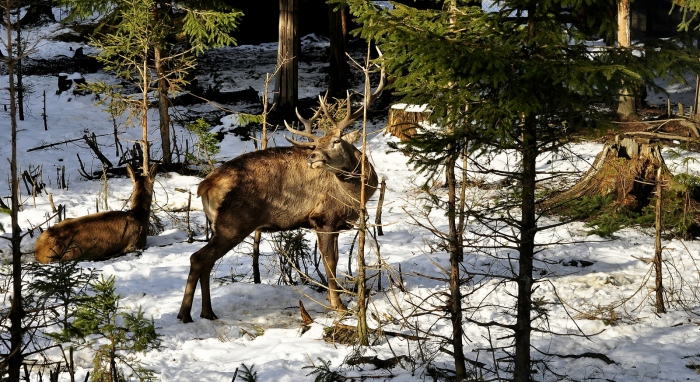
(335, 151)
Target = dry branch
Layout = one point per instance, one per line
(92, 142)
(380, 203)
(662, 136)
(599, 356)
(59, 143)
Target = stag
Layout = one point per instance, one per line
(101, 235)
(314, 184)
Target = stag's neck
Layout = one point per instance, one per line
(351, 176)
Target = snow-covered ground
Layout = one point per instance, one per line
(259, 324)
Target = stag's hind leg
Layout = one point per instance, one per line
(201, 264)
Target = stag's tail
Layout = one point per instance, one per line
(209, 204)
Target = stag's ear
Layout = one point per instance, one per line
(352, 137)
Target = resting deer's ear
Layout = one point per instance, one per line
(130, 171)
(352, 137)
(152, 172)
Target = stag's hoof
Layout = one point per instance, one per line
(209, 316)
(185, 318)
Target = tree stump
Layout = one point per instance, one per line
(66, 81)
(626, 168)
(405, 120)
(38, 13)
(63, 83)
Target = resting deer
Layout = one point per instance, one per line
(104, 234)
(313, 184)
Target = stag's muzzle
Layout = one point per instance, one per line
(315, 160)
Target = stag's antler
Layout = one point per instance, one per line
(307, 133)
(351, 116)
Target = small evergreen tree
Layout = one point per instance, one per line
(206, 147)
(115, 336)
(249, 374)
(60, 287)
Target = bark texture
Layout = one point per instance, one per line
(286, 84)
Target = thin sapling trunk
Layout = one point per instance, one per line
(362, 329)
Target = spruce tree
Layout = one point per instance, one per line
(115, 336)
(59, 288)
(520, 79)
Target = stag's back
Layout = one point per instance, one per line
(276, 189)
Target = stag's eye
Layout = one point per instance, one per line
(336, 141)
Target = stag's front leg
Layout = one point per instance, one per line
(328, 245)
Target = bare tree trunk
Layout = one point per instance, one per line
(163, 101)
(362, 329)
(19, 89)
(696, 101)
(163, 104)
(456, 255)
(15, 358)
(623, 24)
(339, 67)
(626, 108)
(658, 262)
(286, 83)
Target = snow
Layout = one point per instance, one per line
(259, 325)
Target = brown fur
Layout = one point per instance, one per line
(104, 234)
(278, 189)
